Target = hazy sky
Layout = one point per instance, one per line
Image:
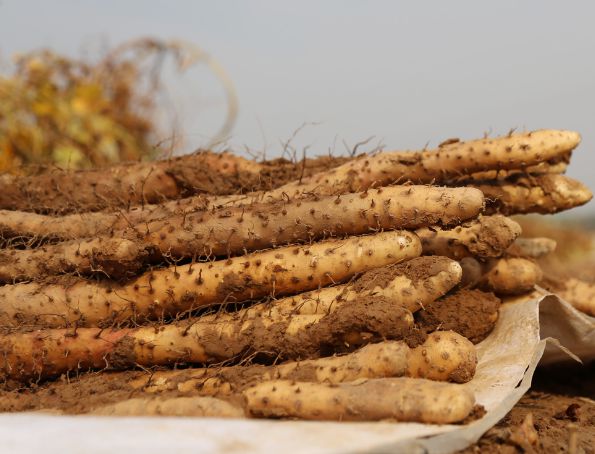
(408, 73)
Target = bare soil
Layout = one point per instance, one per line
(561, 403)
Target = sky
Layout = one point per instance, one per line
(410, 74)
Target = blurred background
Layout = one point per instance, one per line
(396, 74)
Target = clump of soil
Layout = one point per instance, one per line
(471, 313)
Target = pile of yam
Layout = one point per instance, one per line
(212, 285)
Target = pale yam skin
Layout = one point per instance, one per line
(444, 356)
(449, 161)
(507, 275)
(21, 227)
(487, 236)
(400, 399)
(557, 166)
(46, 353)
(442, 165)
(176, 290)
(196, 406)
(510, 276)
(105, 256)
(374, 308)
(413, 284)
(236, 231)
(545, 194)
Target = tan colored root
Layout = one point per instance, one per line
(579, 293)
(172, 406)
(176, 290)
(470, 313)
(21, 227)
(556, 166)
(233, 231)
(454, 356)
(385, 359)
(127, 184)
(401, 399)
(411, 285)
(209, 339)
(488, 236)
(531, 247)
(110, 257)
(444, 356)
(545, 194)
(510, 276)
(440, 165)
(229, 231)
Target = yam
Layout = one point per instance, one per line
(545, 194)
(411, 285)
(450, 357)
(556, 165)
(507, 275)
(439, 165)
(181, 289)
(106, 256)
(22, 227)
(172, 406)
(87, 392)
(236, 231)
(123, 185)
(510, 276)
(488, 236)
(400, 399)
(45, 353)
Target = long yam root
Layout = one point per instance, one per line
(22, 227)
(230, 231)
(107, 256)
(450, 357)
(123, 185)
(400, 399)
(440, 165)
(545, 194)
(488, 236)
(411, 285)
(556, 166)
(172, 406)
(45, 353)
(128, 184)
(176, 290)
(235, 231)
(453, 359)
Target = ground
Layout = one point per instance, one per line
(561, 404)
